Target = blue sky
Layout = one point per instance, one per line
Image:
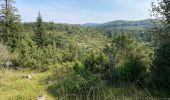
(84, 11)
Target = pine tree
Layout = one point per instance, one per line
(40, 31)
(9, 20)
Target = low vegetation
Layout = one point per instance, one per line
(74, 62)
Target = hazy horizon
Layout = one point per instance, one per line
(84, 11)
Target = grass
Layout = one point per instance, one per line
(14, 87)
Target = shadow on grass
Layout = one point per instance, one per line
(64, 86)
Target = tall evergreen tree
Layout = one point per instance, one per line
(40, 31)
(161, 64)
(9, 20)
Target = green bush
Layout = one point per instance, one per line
(25, 55)
(113, 77)
(96, 62)
(76, 85)
(161, 66)
(78, 82)
(28, 55)
(133, 70)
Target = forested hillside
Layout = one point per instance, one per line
(142, 29)
(119, 60)
(131, 25)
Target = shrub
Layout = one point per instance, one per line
(25, 55)
(96, 62)
(161, 66)
(28, 55)
(77, 82)
(113, 77)
(133, 70)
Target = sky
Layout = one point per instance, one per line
(83, 11)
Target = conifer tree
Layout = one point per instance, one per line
(40, 31)
(9, 20)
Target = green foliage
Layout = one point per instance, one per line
(10, 23)
(86, 57)
(25, 54)
(78, 82)
(128, 25)
(161, 65)
(129, 60)
(96, 62)
(40, 31)
(133, 70)
(161, 12)
(31, 57)
(162, 8)
(120, 47)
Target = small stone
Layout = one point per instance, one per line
(41, 98)
(27, 76)
(49, 82)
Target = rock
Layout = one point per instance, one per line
(27, 76)
(8, 63)
(49, 82)
(41, 98)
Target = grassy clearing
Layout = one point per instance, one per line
(14, 87)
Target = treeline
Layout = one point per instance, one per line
(41, 44)
(93, 56)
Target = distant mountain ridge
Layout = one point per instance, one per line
(123, 24)
(141, 24)
(90, 24)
